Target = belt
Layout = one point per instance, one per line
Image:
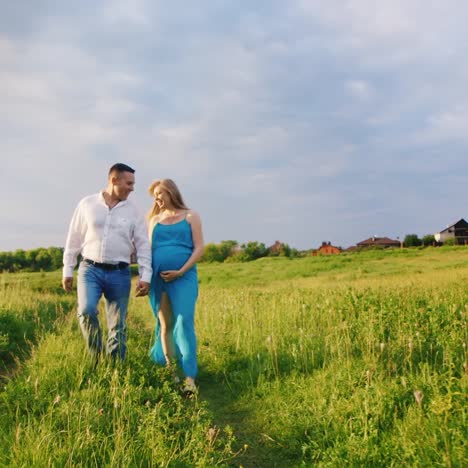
(106, 266)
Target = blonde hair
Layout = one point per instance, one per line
(169, 186)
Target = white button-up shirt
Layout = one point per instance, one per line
(107, 235)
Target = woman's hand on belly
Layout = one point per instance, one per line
(170, 275)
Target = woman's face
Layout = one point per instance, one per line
(162, 198)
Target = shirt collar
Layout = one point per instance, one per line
(102, 200)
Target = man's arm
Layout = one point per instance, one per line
(143, 252)
(72, 248)
(67, 284)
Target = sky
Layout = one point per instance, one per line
(301, 121)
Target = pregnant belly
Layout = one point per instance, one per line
(169, 258)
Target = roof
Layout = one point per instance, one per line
(378, 241)
(461, 223)
(328, 246)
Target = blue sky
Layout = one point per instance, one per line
(300, 121)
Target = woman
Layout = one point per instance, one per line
(177, 244)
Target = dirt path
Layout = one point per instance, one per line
(261, 451)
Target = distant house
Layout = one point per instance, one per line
(326, 249)
(382, 242)
(279, 249)
(457, 231)
(276, 248)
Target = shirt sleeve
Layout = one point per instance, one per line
(74, 242)
(143, 249)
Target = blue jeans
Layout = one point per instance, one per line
(93, 282)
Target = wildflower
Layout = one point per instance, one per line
(56, 400)
(418, 396)
(212, 434)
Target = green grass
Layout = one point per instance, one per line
(30, 305)
(356, 360)
(319, 376)
(349, 267)
(66, 413)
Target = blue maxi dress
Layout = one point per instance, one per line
(172, 246)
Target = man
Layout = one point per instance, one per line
(105, 229)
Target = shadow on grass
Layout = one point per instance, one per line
(21, 330)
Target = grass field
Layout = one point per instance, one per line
(356, 360)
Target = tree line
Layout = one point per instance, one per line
(231, 251)
(50, 259)
(39, 259)
(412, 240)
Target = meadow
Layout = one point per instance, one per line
(357, 359)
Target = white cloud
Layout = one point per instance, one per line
(126, 12)
(446, 126)
(296, 116)
(359, 89)
(387, 34)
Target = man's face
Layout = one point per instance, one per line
(124, 185)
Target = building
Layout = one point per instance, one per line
(327, 249)
(276, 248)
(457, 231)
(279, 249)
(382, 242)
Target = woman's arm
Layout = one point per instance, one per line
(198, 246)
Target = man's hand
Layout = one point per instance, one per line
(170, 275)
(67, 284)
(142, 288)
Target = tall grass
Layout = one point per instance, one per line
(63, 411)
(30, 305)
(358, 360)
(372, 375)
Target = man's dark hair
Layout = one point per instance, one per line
(118, 168)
